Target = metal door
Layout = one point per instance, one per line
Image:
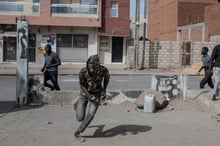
(117, 49)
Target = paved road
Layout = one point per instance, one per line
(71, 82)
(189, 124)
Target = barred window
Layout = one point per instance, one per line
(72, 41)
(64, 40)
(88, 2)
(80, 41)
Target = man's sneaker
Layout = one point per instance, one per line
(79, 138)
(214, 97)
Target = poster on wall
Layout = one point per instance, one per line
(47, 39)
(51, 40)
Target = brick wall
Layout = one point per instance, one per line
(162, 19)
(212, 20)
(166, 54)
(164, 16)
(116, 25)
(190, 13)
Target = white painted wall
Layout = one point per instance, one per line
(92, 37)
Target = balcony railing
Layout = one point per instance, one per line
(25, 7)
(74, 9)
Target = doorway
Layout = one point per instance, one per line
(117, 49)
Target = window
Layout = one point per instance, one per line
(55, 1)
(88, 2)
(64, 40)
(80, 41)
(104, 43)
(36, 1)
(114, 9)
(72, 41)
(32, 47)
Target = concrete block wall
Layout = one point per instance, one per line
(169, 55)
(166, 54)
(196, 50)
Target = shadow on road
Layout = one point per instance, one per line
(10, 106)
(119, 130)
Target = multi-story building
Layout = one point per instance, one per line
(76, 29)
(141, 26)
(212, 21)
(179, 20)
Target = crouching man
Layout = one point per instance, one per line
(93, 79)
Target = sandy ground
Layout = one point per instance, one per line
(188, 124)
(176, 104)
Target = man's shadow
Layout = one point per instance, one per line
(119, 130)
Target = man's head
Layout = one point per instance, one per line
(205, 50)
(93, 64)
(48, 49)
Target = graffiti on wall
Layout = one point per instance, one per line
(22, 39)
(169, 86)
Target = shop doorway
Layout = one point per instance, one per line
(117, 49)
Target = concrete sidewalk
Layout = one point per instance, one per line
(113, 125)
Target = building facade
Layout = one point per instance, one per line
(76, 29)
(212, 20)
(178, 20)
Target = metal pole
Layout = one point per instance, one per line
(22, 62)
(137, 19)
(144, 33)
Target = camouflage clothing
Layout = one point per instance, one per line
(93, 79)
(93, 83)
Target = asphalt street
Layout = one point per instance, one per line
(71, 82)
(189, 123)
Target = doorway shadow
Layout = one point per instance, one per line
(119, 130)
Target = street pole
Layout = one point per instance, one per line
(22, 62)
(144, 33)
(136, 40)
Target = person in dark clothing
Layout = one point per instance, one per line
(215, 59)
(205, 65)
(50, 68)
(93, 80)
